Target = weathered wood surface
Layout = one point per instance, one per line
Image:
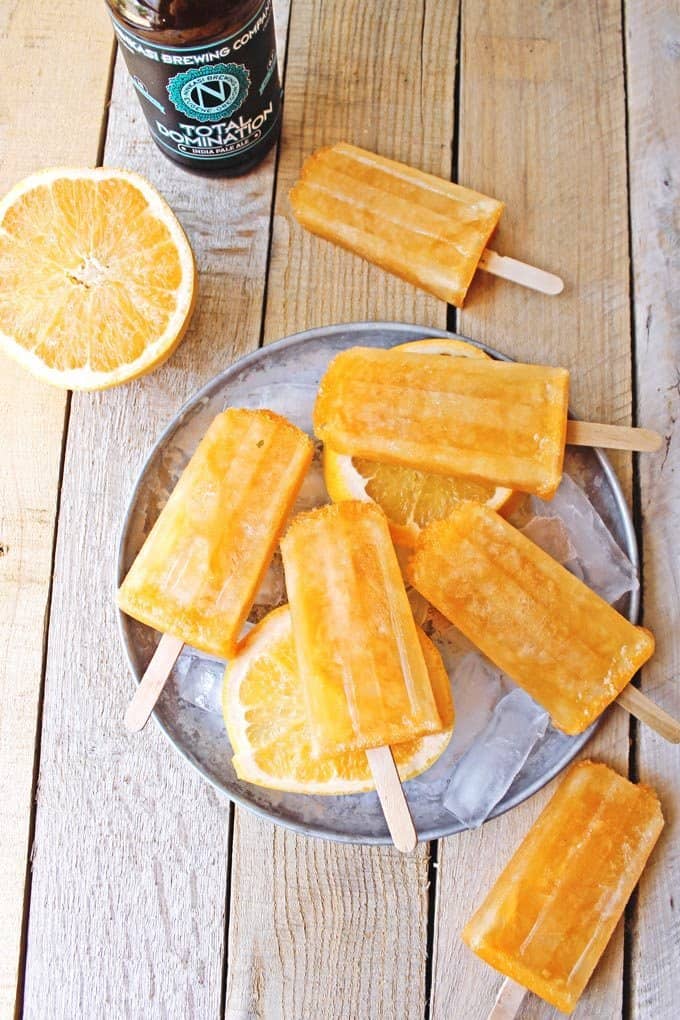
(320, 930)
(131, 848)
(528, 74)
(653, 61)
(39, 97)
(131, 858)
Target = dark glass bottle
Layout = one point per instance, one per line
(207, 78)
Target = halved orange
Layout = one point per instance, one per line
(264, 713)
(410, 498)
(97, 278)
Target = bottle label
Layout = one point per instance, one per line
(208, 104)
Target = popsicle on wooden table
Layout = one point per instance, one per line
(366, 681)
(567, 647)
(551, 913)
(424, 229)
(197, 574)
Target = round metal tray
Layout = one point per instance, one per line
(284, 377)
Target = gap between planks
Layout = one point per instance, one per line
(227, 908)
(282, 54)
(650, 33)
(452, 323)
(633, 726)
(23, 945)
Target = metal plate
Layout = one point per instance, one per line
(284, 376)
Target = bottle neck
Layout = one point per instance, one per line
(183, 22)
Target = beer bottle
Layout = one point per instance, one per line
(206, 75)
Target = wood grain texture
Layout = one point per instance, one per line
(131, 848)
(548, 137)
(322, 930)
(553, 149)
(653, 61)
(38, 94)
(127, 910)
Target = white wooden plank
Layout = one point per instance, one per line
(653, 63)
(321, 930)
(130, 856)
(542, 127)
(38, 96)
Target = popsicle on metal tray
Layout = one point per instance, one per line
(197, 574)
(365, 678)
(487, 420)
(358, 651)
(546, 921)
(570, 650)
(424, 229)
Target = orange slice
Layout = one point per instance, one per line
(264, 712)
(97, 278)
(411, 499)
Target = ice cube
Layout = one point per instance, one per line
(477, 685)
(487, 769)
(198, 680)
(553, 537)
(581, 541)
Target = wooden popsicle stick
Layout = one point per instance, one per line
(644, 709)
(153, 682)
(612, 437)
(519, 272)
(392, 799)
(508, 1001)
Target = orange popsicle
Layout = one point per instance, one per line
(552, 911)
(492, 421)
(547, 630)
(365, 678)
(422, 228)
(198, 571)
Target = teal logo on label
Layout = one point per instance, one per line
(209, 94)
